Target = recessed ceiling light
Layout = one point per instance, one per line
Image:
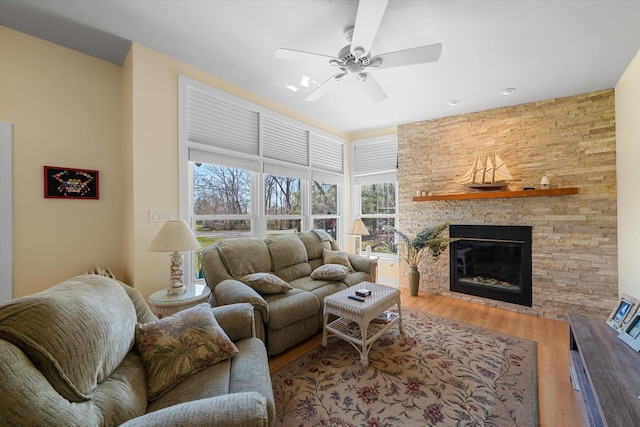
(507, 91)
(454, 102)
(292, 88)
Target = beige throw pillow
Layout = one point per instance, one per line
(336, 257)
(266, 283)
(330, 272)
(175, 347)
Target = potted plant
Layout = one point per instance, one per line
(430, 241)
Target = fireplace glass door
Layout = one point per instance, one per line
(492, 262)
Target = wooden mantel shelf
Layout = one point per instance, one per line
(500, 194)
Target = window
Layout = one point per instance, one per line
(375, 191)
(324, 206)
(378, 212)
(221, 205)
(283, 204)
(246, 171)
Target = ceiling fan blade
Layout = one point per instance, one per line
(324, 87)
(368, 20)
(373, 89)
(416, 55)
(299, 55)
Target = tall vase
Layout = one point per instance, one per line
(414, 281)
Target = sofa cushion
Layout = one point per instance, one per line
(336, 257)
(330, 272)
(288, 256)
(266, 283)
(77, 333)
(177, 346)
(244, 256)
(314, 244)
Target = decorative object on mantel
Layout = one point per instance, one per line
(544, 183)
(413, 250)
(175, 236)
(488, 177)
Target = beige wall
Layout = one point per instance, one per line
(65, 109)
(628, 162)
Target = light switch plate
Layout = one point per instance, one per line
(161, 215)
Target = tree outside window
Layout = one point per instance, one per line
(378, 212)
(324, 207)
(221, 205)
(283, 204)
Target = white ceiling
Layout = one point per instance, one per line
(544, 49)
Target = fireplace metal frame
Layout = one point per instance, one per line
(508, 233)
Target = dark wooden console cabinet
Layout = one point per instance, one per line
(605, 373)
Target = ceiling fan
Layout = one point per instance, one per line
(355, 58)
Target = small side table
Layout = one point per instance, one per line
(165, 305)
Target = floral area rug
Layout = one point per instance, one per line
(438, 372)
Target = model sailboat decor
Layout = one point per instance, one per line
(488, 176)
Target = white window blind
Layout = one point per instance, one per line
(375, 161)
(218, 123)
(282, 141)
(326, 154)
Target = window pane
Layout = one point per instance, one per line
(283, 226)
(327, 224)
(282, 195)
(324, 198)
(219, 190)
(380, 234)
(378, 199)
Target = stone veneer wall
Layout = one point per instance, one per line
(572, 141)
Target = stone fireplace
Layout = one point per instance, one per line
(491, 261)
(574, 237)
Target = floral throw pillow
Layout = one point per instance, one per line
(330, 272)
(266, 283)
(175, 347)
(336, 257)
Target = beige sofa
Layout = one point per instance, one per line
(287, 317)
(71, 356)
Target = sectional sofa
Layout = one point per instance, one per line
(285, 278)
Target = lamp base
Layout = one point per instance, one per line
(176, 278)
(177, 289)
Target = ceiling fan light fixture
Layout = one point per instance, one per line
(362, 77)
(507, 91)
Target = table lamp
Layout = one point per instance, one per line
(358, 229)
(175, 236)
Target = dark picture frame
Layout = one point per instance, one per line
(71, 183)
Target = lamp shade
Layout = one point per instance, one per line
(358, 228)
(174, 236)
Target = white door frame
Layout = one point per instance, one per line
(6, 212)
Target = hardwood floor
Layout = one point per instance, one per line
(556, 402)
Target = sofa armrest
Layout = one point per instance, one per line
(365, 264)
(233, 291)
(247, 409)
(236, 320)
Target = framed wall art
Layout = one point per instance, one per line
(70, 183)
(622, 312)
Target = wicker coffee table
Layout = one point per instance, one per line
(354, 318)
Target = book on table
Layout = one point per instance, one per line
(384, 317)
